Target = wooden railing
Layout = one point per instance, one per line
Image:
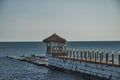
(96, 56)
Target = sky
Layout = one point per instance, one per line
(74, 20)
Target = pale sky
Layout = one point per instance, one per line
(76, 20)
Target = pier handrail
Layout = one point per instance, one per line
(95, 56)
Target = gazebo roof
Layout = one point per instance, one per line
(55, 38)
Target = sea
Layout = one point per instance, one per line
(11, 69)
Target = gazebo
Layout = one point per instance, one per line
(56, 46)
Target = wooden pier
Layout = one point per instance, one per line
(92, 62)
(56, 47)
(91, 56)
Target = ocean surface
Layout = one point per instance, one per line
(39, 48)
(16, 70)
(11, 69)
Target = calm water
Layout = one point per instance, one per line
(39, 48)
(17, 70)
(22, 48)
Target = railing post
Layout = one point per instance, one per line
(106, 57)
(85, 54)
(119, 57)
(73, 54)
(95, 56)
(63, 55)
(102, 52)
(90, 56)
(81, 52)
(100, 57)
(77, 53)
(112, 57)
(66, 53)
(70, 53)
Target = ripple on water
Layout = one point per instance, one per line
(16, 70)
(11, 69)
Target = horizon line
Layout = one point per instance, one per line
(71, 41)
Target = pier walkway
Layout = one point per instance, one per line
(99, 57)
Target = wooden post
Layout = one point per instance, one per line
(102, 52)
(100, 57)
(112, 57)
(73, 54)
(67, 53)
(77, 53)
(90, 56)
(70, 53)
(85, 54)
(81, 52)
(119, 58)
(95, 56)
(106, 57)
(63, 54)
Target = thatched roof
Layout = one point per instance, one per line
(55, 38)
